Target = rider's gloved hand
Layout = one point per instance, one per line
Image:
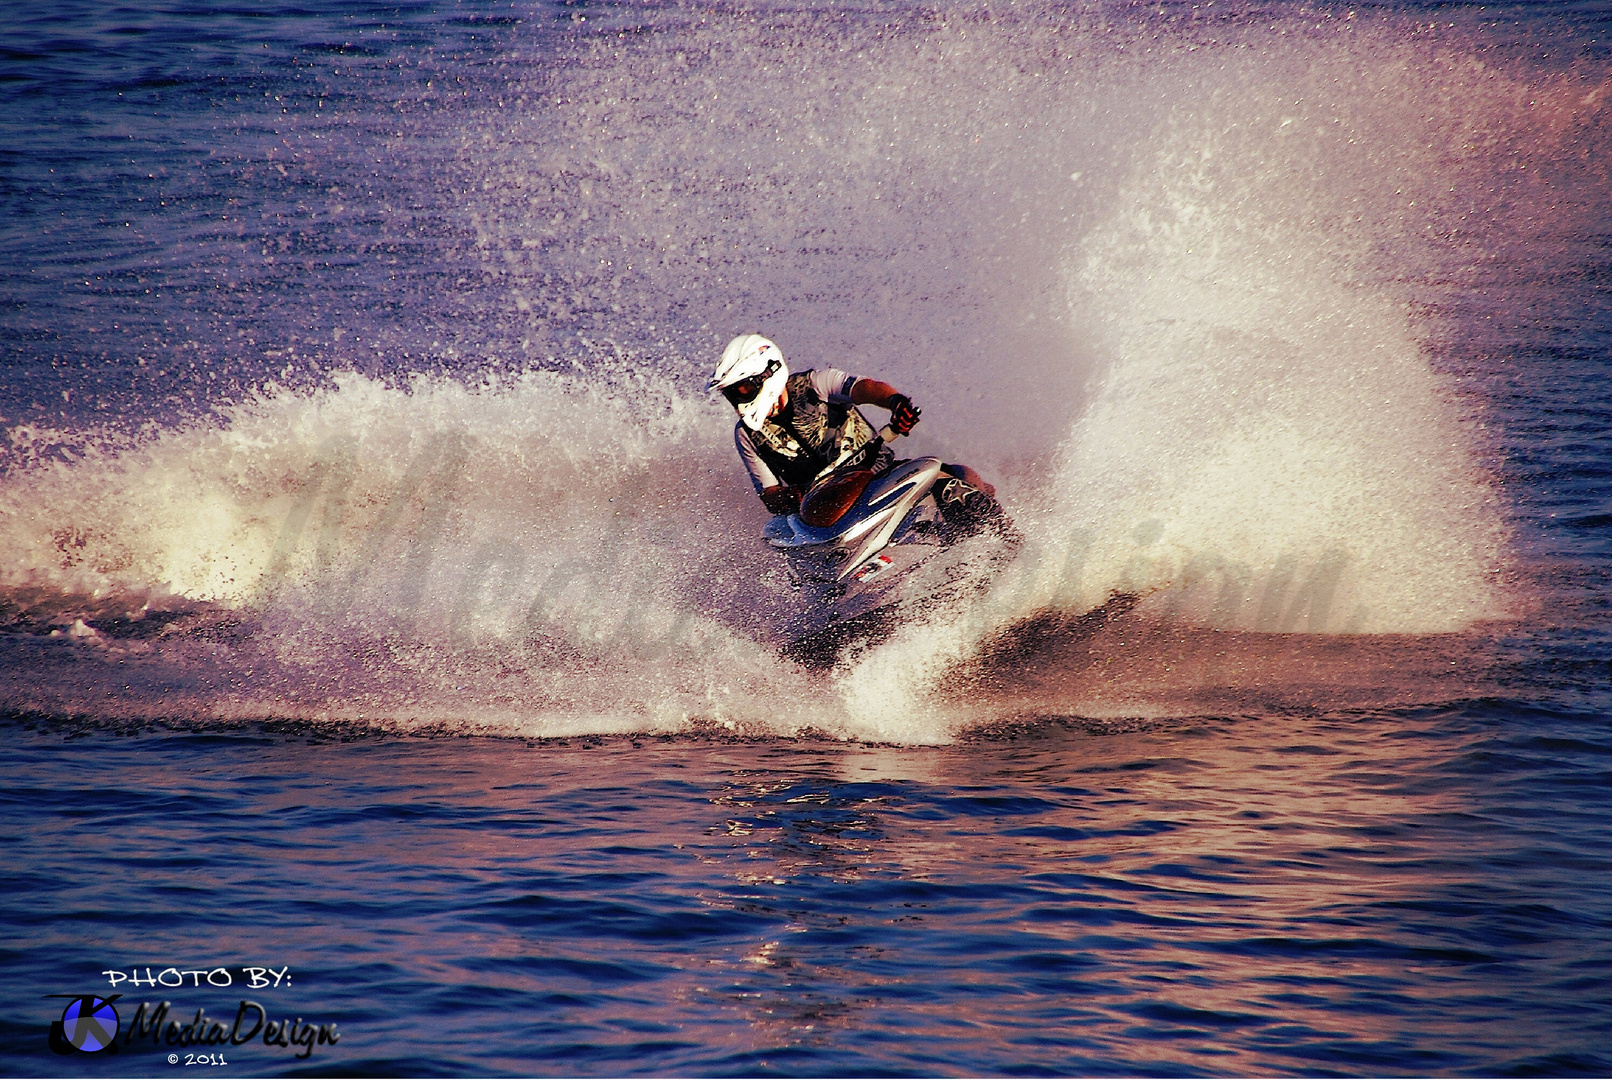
(781, 499)
(904, 415)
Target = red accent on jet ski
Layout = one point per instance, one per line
(832, 496)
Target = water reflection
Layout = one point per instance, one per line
(1218, 892)
(1232, 895)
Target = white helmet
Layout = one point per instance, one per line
(751, 375)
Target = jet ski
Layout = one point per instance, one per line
(869, 548)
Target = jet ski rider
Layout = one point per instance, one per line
(794, 429)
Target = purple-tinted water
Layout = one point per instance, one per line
(383, 606)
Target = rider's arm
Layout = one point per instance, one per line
(903, 414)
(776, 496)
(761, 477)
(872, 392)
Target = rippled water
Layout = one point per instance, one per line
(381, 604)
(1382, 892)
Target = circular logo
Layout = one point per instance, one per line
(90, 1023)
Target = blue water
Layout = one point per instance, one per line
(382, 606)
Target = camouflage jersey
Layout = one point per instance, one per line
(819, 424)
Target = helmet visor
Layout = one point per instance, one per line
(745, 390)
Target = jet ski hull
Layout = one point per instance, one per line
(894, 552)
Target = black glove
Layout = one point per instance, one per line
(904, 415)
(781, 499)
